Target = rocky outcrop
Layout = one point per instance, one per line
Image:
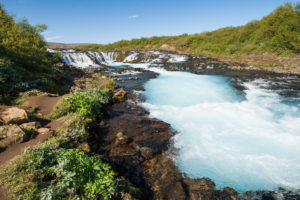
(13, 115)
(31, 125)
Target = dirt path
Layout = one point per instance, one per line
(44, 103)
(18, 148)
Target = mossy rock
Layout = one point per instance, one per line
(119, 95)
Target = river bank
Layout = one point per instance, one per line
(140, 149)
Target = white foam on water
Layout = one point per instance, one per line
(177, 58)
(249, 142)
(109, 57)
(81, 60)
(131, 57)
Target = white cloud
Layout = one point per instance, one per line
(133, 16)
(46, 32)
(54, 37)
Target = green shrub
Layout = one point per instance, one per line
(87, 103)
(57, 173)
(75, 129)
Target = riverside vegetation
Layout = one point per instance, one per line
(59, 168)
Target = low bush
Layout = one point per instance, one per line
(87, 103)
(74, 129)
(50, 172)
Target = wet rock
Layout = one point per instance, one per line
(203, 189)
(43, 131)
(268, 196)
(31, 125)
(146, 152)
(130, 78)
(177, 192)
(228, 193)
(13, 115)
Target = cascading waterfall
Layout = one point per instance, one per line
(97, 58)
(109, 57)
(81, 60)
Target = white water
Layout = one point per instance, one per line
(78, 60)
(249, 142)
(97, 58)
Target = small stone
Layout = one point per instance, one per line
(43, 131)
(102, 123)
(121, 138)
(119, 94)
(146, 152)
(84, 147)
(13, 115)
(119, 134)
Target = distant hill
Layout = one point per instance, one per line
(54, 45)
(278, 32)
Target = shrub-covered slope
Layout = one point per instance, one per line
(278, 32)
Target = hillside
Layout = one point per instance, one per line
(278, 34)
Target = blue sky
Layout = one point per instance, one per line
(105, 21)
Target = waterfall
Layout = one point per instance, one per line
(109, 57)
(97, 58)
(81, 60)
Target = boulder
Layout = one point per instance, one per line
(31, 125)
(13, 115)
(11, 133)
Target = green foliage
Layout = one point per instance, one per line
(23, 58)
(86, 103)
(11, 81)
(49, 172)
(20, 42)
(75, 129)
(278, 32)
(109, 84)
